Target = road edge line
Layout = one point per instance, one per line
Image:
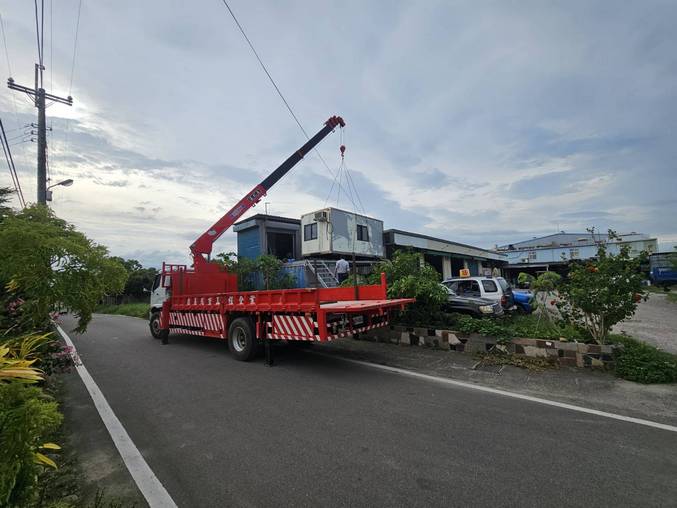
(505, 393)
(150, 486)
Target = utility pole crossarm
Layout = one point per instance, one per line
(40, 96)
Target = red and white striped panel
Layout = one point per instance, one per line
(189, 321)
(356, 330)
(292, 328)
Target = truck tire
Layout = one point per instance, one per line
(154, 325)
(241, 339)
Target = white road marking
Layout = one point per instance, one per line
(152, 489)
(472, 386)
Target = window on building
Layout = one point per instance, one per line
(574, 253)
(532, 255)
(362, 233)
(310, 231)
(489, 286)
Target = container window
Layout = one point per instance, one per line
(362, 233)
(310, 231)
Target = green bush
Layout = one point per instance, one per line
(408, 276)
(27, 418)
(643, 363)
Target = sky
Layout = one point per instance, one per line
(479, 122)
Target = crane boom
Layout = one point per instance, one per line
(203, 245)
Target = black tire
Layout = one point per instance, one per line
(241, 339)
(154, 325)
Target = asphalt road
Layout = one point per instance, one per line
(317, 431)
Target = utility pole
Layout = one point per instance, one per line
(40, 96)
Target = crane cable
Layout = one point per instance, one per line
(277, 89)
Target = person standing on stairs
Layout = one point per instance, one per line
(342, 270)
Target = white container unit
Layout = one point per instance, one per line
(333, 231)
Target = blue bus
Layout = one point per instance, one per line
(663, 268)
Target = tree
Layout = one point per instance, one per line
(46, 264)
(408, 276)
(269, 267)
(602, 292)
(5, 210)
(139, 279)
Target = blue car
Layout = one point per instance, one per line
(523, 301)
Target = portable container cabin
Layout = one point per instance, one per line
(331, 231)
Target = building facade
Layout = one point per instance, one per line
(447, 257)
(554, 252)
(268, 234)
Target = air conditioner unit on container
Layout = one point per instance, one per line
(321, 216)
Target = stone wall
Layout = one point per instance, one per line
(569, 354)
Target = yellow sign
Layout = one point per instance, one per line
(465, 272)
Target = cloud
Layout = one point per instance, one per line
(482, 122)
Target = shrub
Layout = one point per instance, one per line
(643, 363)
(408, 276)
(603, 291)
(27, 418)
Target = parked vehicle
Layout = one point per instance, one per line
(493, 288)
(524, 301)
(662, 269)
(477, 307)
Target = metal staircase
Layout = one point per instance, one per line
(324, 272)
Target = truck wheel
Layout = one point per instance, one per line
(241, 340)
(154, 325)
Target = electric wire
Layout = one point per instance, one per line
(75, 47)
(37, 31)
(4, 40)
(11, 166)
(277, 89)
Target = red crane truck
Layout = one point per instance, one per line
(204, 300)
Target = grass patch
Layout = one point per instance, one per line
(139, 310)
(524, 362)
(514, 326)
(643, 363)
(672, 297)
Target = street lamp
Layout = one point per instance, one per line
(64, 183)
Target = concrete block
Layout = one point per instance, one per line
(535, 351)
(421, 332)
(594, 348)
(524, 342)
(405, 339)
(475, 346)
(453, 339)
(421, 340)
(567, 346)
(567, 362)
(582, 348)
(580, 362)
(607, 349)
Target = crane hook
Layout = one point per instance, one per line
(343, 150)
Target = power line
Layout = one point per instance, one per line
(4, 40)
(11, 166)
(75, 47)
(277, 89)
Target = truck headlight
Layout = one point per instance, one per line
(486, 309)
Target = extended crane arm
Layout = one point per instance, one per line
(203, 245)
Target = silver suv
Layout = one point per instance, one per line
(492, 288)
